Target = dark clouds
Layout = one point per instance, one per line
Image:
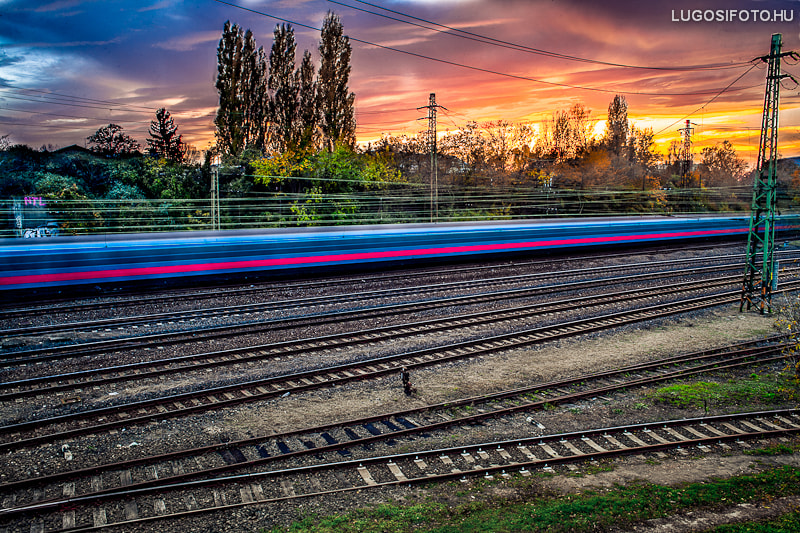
(120, 60)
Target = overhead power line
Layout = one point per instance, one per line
(73, 104)
(54, 98)
(711, 100)
(464, 34)
(60, 96)
(471, 67)
(385, 111)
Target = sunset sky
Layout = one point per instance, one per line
(68, 67)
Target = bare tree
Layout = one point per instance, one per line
(568, 134)
(581, 128)
(721, 166)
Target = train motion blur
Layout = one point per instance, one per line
(60, 264)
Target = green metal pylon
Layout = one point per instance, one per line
(759, 275)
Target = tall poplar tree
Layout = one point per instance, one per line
(283, 85)
(337, 116)
(617, 127)
(256, 116)
(230, 135)
(241, 83)
(309, 105)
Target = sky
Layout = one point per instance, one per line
(69, 67)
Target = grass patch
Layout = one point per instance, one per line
(620, 507)
(702, 394)
(778, 449)
(784, 524)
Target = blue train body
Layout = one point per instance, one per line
(64, 262)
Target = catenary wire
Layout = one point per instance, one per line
(449, 30)
(471, 67)
(709, 102)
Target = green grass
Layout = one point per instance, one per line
(590, 511)
(778, 449)
(702, 394)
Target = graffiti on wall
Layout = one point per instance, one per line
(31, 218)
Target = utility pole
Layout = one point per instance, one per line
(215, 218)
(431, 107)
(761, 237)
(686, 153)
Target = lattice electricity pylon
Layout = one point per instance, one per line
(686, 153)
(759, 275)
(434, 163)
(432, 134)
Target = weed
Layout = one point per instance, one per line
(778, 449)
(619, 508)
(595, 467)
(703, 394)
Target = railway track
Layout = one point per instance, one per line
(335, 301)
(184, 483)
(14, 389)
(60, 427)
(47, 353)
(46, 307)
(125, 507)
(471, 410)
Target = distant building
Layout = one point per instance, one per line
(73, 148)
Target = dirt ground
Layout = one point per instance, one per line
(557, 360)
(509, 370)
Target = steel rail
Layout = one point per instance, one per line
(335, 375)
(744, 354)
(8, 311)
(353, 297)
(428, 353)
(337, 298)
(516, 455)
(150, 368)
(75, 350)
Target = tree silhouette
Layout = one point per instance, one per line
(164, 140)
(243, 100)
(111, 141)
(337, 117)
(309, 105)
(721, 166)
(617, 127)
(283, 85)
